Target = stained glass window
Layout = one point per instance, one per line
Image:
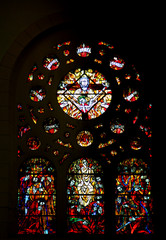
(85, 194)
(81, 101)
(133, 202)
(37, 197)
(84, 94)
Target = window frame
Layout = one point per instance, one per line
(84, 126)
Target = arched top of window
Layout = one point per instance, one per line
(36, 166)
(133, 166)
(85, 166)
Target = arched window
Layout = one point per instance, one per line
(37, 198)
(81, 105)
(133, 197)
(85, 193)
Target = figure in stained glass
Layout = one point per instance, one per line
(84, 94)
(85, 197)
(37, 198)
(83, 50)
(133, 203)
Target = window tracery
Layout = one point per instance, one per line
(85, 97)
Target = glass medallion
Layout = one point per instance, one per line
(37, 94)
(84, 94)
(83, 50)
(117, 63)
(117, 127)
(130, 94)
(51, 125)
(135, 143)
(33, 143)
(84, 139)
(66, 53)
(51, 63)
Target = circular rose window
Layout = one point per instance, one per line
(84, 94)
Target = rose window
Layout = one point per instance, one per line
(84, 94)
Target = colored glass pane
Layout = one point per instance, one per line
(33, 143)
(83, 50)
(133, 202)
(37, 94)
(23, 130)
(41, 76)
(84, 94)
(36, 198)
(102, 52)
(135, 143)
(85, 193)
(67, 145)
(117, 127)
(31, 74)
(19, 108)
(77, 166)
(33, 116)
(117, 63)
(51, 125)
(97, 61)
(51, 63)
(106, 44)
(50, 80)
(84, 139)
(66, 53)
(62, 44)
(130, 94)
(103, 145)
